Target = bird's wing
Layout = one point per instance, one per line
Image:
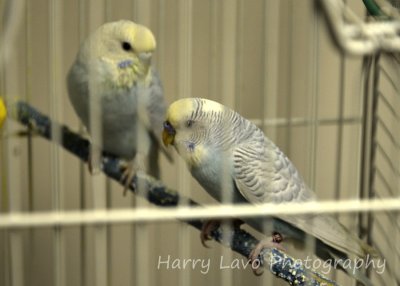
(155, 112)
(263, 174)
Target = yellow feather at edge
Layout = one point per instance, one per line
(3, 111)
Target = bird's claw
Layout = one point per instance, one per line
(271, 242)
(128, 173)
(212, 225)
(277, 237)
(208, 227)
(130, 169)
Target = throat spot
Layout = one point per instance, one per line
(191, 146)
(125, 64)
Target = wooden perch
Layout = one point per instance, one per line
(278, 262)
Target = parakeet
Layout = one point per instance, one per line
(218, 144)
(113, 72)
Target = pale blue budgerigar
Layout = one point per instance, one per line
(113, 72)
(217, 143)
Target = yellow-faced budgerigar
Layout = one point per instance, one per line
(217, 143)
(113, 72)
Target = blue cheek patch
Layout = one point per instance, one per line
(125, 64)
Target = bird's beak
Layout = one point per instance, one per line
(168, 134)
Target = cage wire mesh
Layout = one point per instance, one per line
(321, 78)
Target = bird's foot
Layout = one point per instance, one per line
(277, 237)
(129, 170)
(128, 173)
(211, 225)
(208, 227)
(270, 242)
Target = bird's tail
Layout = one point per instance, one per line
(351, 270)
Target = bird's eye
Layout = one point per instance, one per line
(126, 46)
(167, 124)
(189, 123)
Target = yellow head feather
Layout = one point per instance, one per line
(183, 108)
(139, 36)
(178, 110)
(108, 38)
(143, 39)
